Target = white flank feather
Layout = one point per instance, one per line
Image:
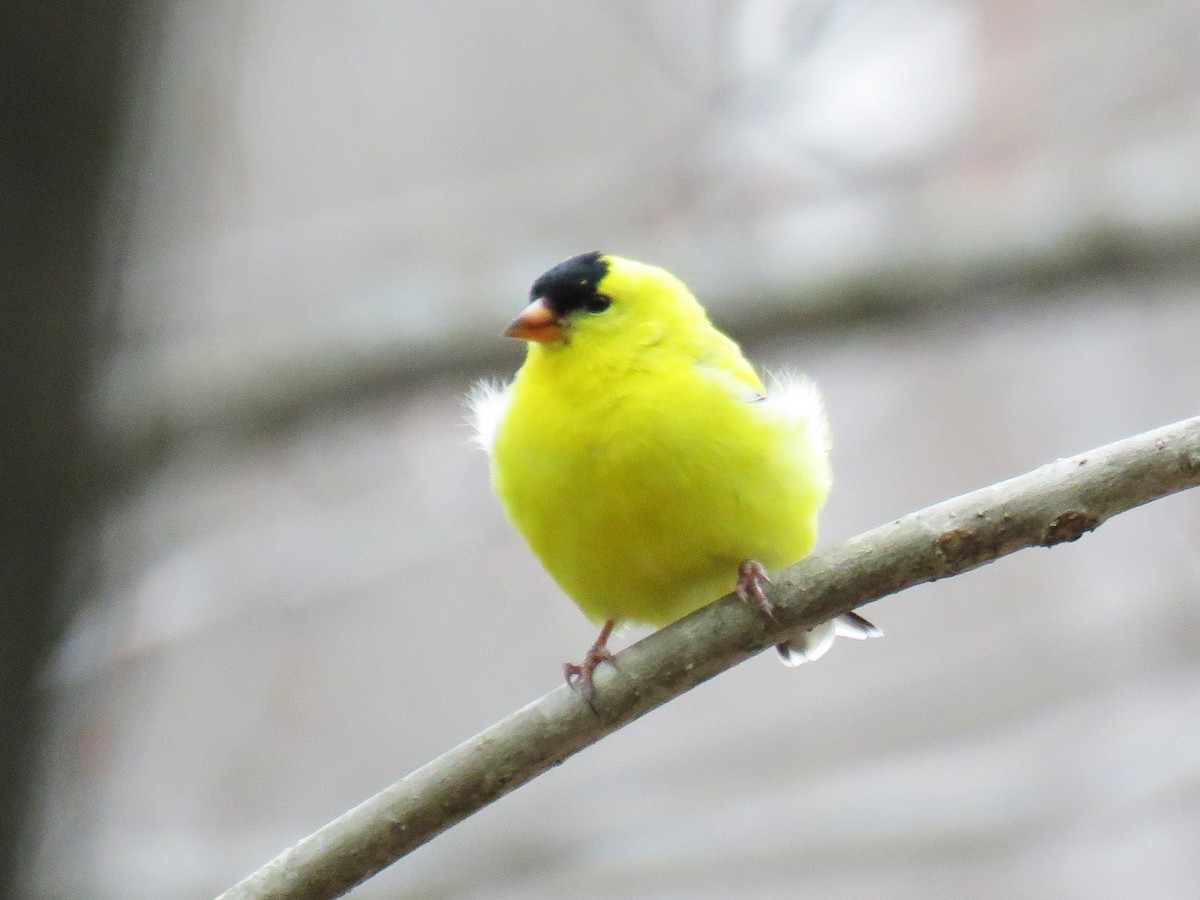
(797, 398)
(487, 402)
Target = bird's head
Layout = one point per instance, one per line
(606, 303)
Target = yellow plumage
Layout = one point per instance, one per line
(638, 452)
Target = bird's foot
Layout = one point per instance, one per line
(752, 578)
(580, 675)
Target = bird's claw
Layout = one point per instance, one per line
(580, 675)
(752, 578)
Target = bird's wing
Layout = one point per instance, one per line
(487, 403)
(786, 396)
(719, 356)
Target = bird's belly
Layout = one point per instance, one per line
(652, 526)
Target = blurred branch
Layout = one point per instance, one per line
(1055, 503)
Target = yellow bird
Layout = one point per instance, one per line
(644, 461)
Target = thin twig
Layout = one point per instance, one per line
(1055, 503)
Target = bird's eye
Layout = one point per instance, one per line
(598, 303)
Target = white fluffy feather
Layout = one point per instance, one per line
(487, 402)
(797, 398)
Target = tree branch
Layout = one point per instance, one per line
(1055, 503)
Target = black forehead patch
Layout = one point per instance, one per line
(571, 285)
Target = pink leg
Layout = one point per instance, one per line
(581, 674)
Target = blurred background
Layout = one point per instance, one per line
(254, 255)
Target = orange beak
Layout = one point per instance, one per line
(537, 322)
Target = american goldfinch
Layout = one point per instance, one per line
(644, 461)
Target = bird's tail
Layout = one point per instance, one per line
(812, 644)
